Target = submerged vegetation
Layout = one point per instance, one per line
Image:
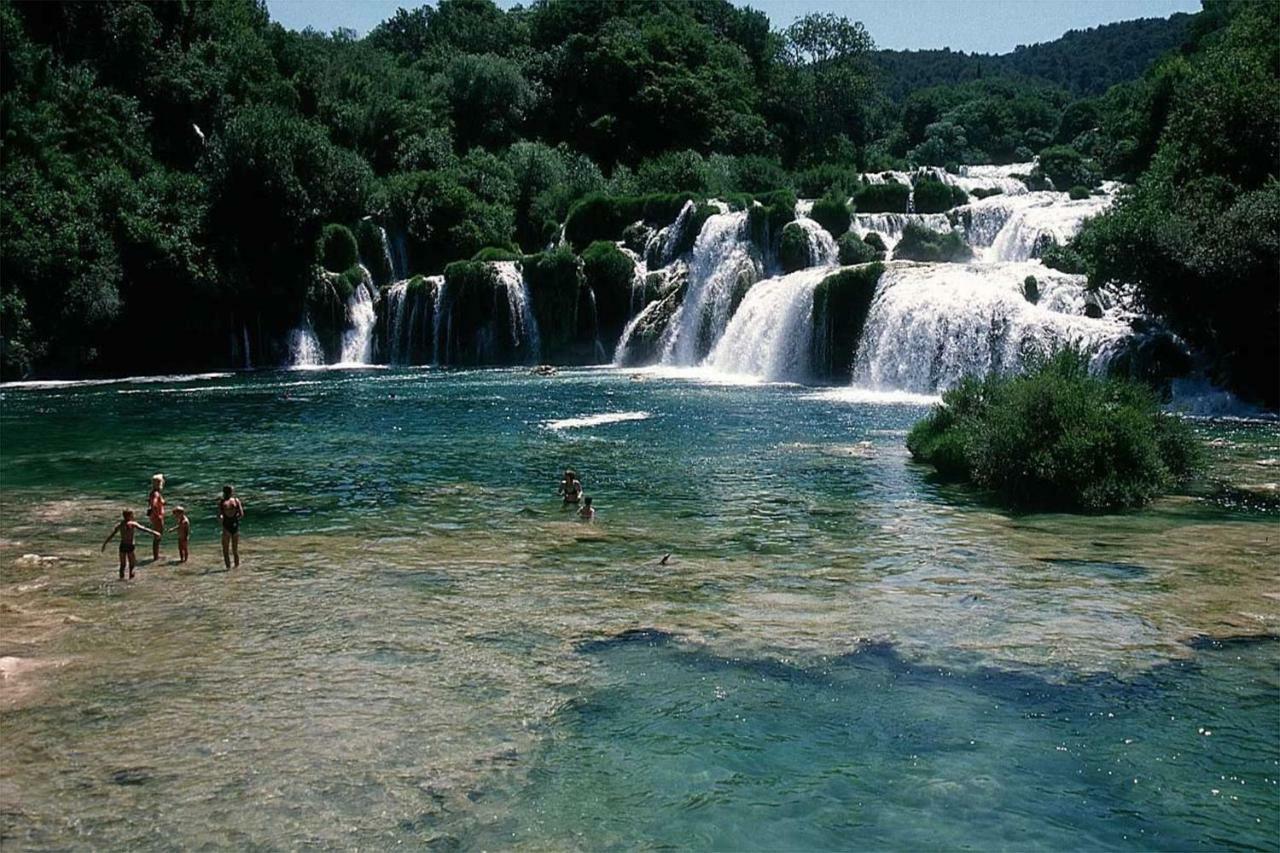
(1057, 438)
(185, 167)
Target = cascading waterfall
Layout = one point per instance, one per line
(357, 340)
(771, 333)
(891, 225)
(931, 324)
(244, 342)
(1031, 227)
(660, 248)
(304, 346)
(524, 326)
(723, 263)
(821, 245)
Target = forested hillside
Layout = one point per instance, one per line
(1083, 62)
(169, 169)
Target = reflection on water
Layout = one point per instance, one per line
(399, 658)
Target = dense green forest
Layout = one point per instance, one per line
(168, 168)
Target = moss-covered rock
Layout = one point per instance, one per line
(610, 273)
(921, 244)
(477, 316)
(496, 253)
(555, 282)
(636, 237)
(933, 196)
(1078, 193)
(337, 249)
(646, 338)
(854, 250)
(1031, 289)
(406, 322)
(840, 306)
(372, 253)
(987, 192)
(688, 235)
(832, 213)
(604, 217)
(793, 248)
(875, 241)
(889, 197)
(1063, 259)
(768, 216)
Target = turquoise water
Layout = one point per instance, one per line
(422, 648)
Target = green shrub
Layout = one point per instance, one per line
(369, 242)
(875, 241)
(832, 213)
(856, 251)
(793, 249)
(1057, 438)
(985, 192)
(920, 244)
(933, 196)
(766, 218)
(828, 178)
(882, 198)
(1078, 192)
(496, 253)
(1031, 289)
(1063, 259)
(1067, 167)
(554, 278)
(600, 216)
(337, 249)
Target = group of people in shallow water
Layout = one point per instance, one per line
(230, 512)
(571, 489)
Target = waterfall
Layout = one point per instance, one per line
(771, 333)
(660, 249)
(357, 340)
(822, 247)
(930, 324)
(722, 265)
(397, 256)
(524, 326)
(304, 347)
(891, 225)
(599, 352)
(441, 325)
(1031, 227)
(244, 342)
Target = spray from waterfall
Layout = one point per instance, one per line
(771, 333)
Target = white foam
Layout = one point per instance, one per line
(79, 383)
(874, 396)
(597, 420)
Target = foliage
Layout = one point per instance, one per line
(854, 250)
(793, 248)
(1067, 167)
(1057, 438)
(933, 196)
(888, 197)
(1078, 193)
(841, 302)
(996, 120)
(1064, 259)
(337, 248)
(832, 213)
(609, 272)
(600, 216)
(918, 243)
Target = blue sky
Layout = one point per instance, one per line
(987, 26)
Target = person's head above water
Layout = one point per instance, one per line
(179, 511)
(586, 502)
(157, 481)
(228, 491)
(570, 474)
(128, 514)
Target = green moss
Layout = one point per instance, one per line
(1078, 193)
(369, 243)
(337, 248)
(604, 217)
(1063, 259)
(984, 192)
(933, 196)
(920, 244)
(854, 250)
(882, 198)
(769, 215)
(840, 305)
(1031, 289)
(693, 227)
(554, 278)
(875, 241)
(496, 253)
(793, 248)
(832, 213)
(1057, 438)
(609, 272)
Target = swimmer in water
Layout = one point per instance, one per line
(571, 488)
(183, 523)
(230, 511)
(126, 528)
(588, 512)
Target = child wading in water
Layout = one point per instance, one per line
(155, 512)
(588, 512)
(126, 529)
(184, 532)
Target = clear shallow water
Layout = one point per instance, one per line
(411, 649)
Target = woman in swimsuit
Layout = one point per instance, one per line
(571, 488)
(155, 512)
(230, 511)
(126, 528)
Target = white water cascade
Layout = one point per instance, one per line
(304, 347)
(524, 326)
(771, 333)
(357, 340)
(891, 225)
(441, 325)
(821, 245)
(722, 263)
(930, 324)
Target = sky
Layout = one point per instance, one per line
(983, 26)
